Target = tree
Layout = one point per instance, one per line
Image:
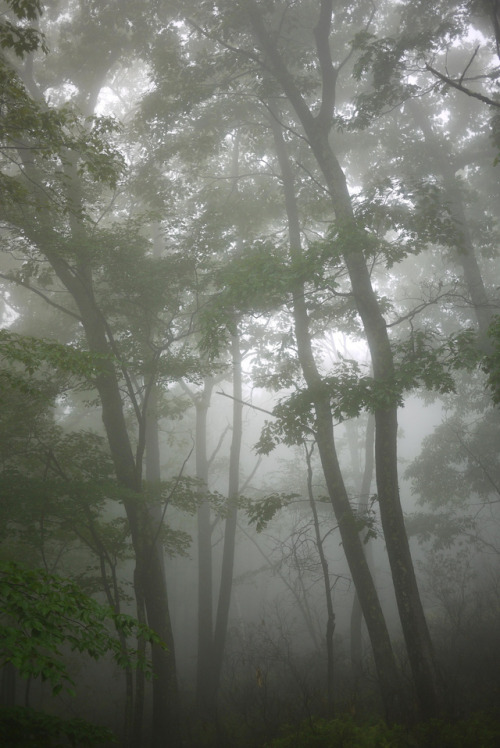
(324, 434)
(58, 228)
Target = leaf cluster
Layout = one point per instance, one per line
(254, 282)
(34, 353)
(42, 613)
(294, 420)
(491, 363)
(420, 362)
(262, 511)
(457, 462)
(19, 37)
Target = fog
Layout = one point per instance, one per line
(249, 373)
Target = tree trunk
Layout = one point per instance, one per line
(379, 636)
(330, 617)
(204, 692)
(356, 624)
(353, 239)
(77, 279)
(226, 579)
(149, 575)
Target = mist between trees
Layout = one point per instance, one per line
(250, 373)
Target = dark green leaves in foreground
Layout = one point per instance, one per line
(21, 727)
(492, 362)
(41, 613)
(33, 353)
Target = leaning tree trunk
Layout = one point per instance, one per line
(330, 613)
(379, 636)
(149, 574)
(354, 243)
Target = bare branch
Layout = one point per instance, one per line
(25, 284)
(244, 402)
(469, 64)
(456, 84)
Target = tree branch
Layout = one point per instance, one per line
(278, 65)
(456, 84)
(328, 71)
(25, 284)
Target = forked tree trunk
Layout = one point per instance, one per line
(149, 574)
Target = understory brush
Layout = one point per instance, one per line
(477, 731)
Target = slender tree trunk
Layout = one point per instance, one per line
(356, 624)
(330, 619)
(204, 694)
(226, 579)
(155, 512)
(140, 682)
(227, 568)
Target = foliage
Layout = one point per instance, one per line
(254, 282)
(34, 353)
(42, 613)
(458, 462)
(293, 421)
(441, 528)
(492, 361)
(340, 733)
(22, 727)
(262, 511)
(479, 730)
(421, 362)
(53, 136)
(20, 38)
